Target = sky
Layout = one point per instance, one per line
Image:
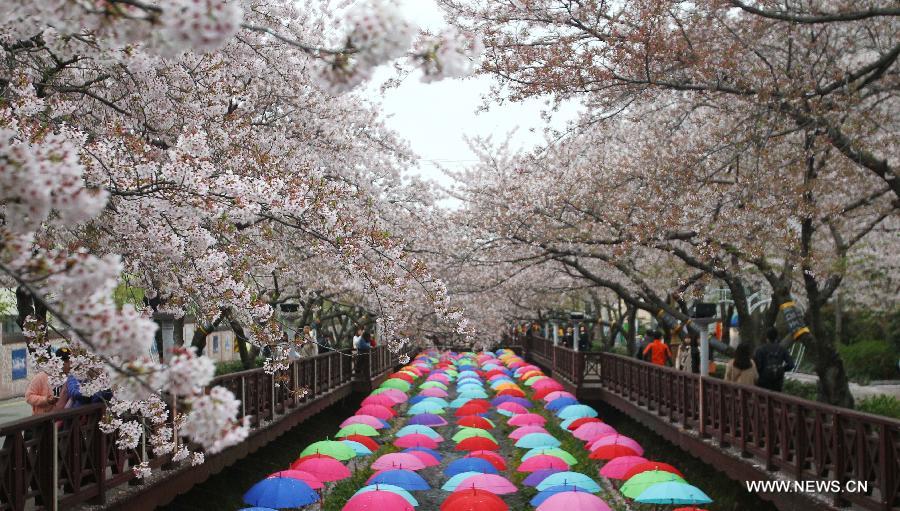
(435, 118)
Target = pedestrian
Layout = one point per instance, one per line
(43, 398)
(357, 339)
(310, 347)
(688, 356)
(772, 361)
(742, 369)
(658, 351)
(646, 339)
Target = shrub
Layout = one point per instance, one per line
(869, 360)
(882, 404)
(800, 389)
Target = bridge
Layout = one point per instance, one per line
(64, 460)
(747, 432)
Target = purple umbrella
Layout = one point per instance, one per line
(537, 476)
(428, 419)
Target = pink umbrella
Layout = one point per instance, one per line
(493, 483)
(526, 430)
(527, 419)
(314, 482)
(434, 392)
(368, 420)
(558, 394)
(426, 458)
(547, 383)
(377, 499)
(443, 378)
(416, 440)
(398, 460)
(574, 501)
(379, 399)
(512, 407)
(382, 412)
(616, 468)
(620, 440)
(396, 394)
(325, 468)
(542, 462)
(593, 430)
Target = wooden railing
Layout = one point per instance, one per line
(805, 440)
(64, 458)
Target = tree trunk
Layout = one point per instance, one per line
(631, 313)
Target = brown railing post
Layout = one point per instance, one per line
(770, 434)
(799, 441)
(888, 476)
(18, 468)
(840, 458)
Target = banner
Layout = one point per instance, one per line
(19, 364)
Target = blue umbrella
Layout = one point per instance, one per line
(461, 465)
(455, 481)
(358, 448)
(473, 394)
(565, 424)
(438, 456)
(281, 492)
(577, 412)
(417, 428)
(554, 490)
(424, 407)
(535, 440)
(673, 493)
(560, 403)
(406, 479)
(569, 478)
(416, 399)
(460, 401)
(391, 488)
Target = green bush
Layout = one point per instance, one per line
(800, 389)
(234, 366)
(882, 404)
(869, 360)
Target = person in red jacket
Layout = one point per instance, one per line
(659, 352)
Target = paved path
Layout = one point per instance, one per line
(14, 409)
(858, 391)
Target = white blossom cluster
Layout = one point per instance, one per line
(450, 54)
(212, 420)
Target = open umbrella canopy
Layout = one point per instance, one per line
(621, 440)
(576, 411)
(379, 411)
(493, 483)
(640, 482)
(377, 499)
(608, 452)
(548, 384)
(314, 482)
(526, 430)
(427, 458)
(368, 420)
(334, 448)
(617, 468)
(357, 429)
(527, 419)
(474, 421)
(552, 451)
(557, 394)
(533, 479)
(460, 401)
(397, 395)
(533, 440)
(425, 407)
(358, 448)
(511, 392)
(673, 493)
(428, 419)
(469, 409)
(406, 479)
(433, 384)
(416, 440)
(434, 392)
(473, 393)
(569, 478)
(593, 430)
(325, 468)
(512, 407)
(541, 462)
(465, 433)
(573, 501)
(396, 460)
(436, 455)
(477, 443)
(651, 465)
(281, 492)
(559, 404)
(372, 445)
(379, 399)
(391, 488)
(458, 466)
(418, 429)
(474, 500)
(496, 461)
(396, 383)
(455, 479)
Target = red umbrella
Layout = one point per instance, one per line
(382, 412)
(474, 500)
(540, 393)
(314, 482)
(379, 399)
(491, 457)
(402, 376)
(484, 404)
(372, 445)
(326, 468)
(577, 423)
(416, 440)
(474, 421)
(651, 465)
(511, 392)
(310, 457)
(543, 462)
(608, 452)
(469, 410)
(477, 443)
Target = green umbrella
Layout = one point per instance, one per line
(534, 379)
(336, 449)
(357, 429)
(396, 383)
(433, 383)
(555, 451)
(465, 433)
(640, 482)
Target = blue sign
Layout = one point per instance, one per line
(19, 364)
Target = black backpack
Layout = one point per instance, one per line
(773, 366)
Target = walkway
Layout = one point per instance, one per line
(858, 391)
(64, 460)
(747, 432)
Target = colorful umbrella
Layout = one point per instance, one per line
(419, 429)
(396, 460)
(576, 411)
(281, 492)
(495, 458)
(369, 420)
(425, 407)
(477, 443)
(640, 482)
(511, 407)
(542, 462)
(406, 479)
(617, 440)
(559, 404)
(533, 440)
(454, 480)
(573, 424)
(527, 419)
(474, 500)
(326, 469)
(474, 421)
(458, 466)
(358, 448)
(651, 465)
(336, 449)
(593, 430)
(552, 451)
(557, 394)
(357, 429)
(434, 392)
(372, 445)
(527, 430)
(428, 419)
(673, 493)
(493, 483)
(553, 490)
(381, 412)
(391, 488)
(535, 478)
(617, 468)
(416, 440)
(379, 399)
(465, 433)
(314, 482)
(432, 452)
(377, 499)
(571, 479)
(574, 501)
(608, 452)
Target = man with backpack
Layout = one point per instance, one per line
(772, 361)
